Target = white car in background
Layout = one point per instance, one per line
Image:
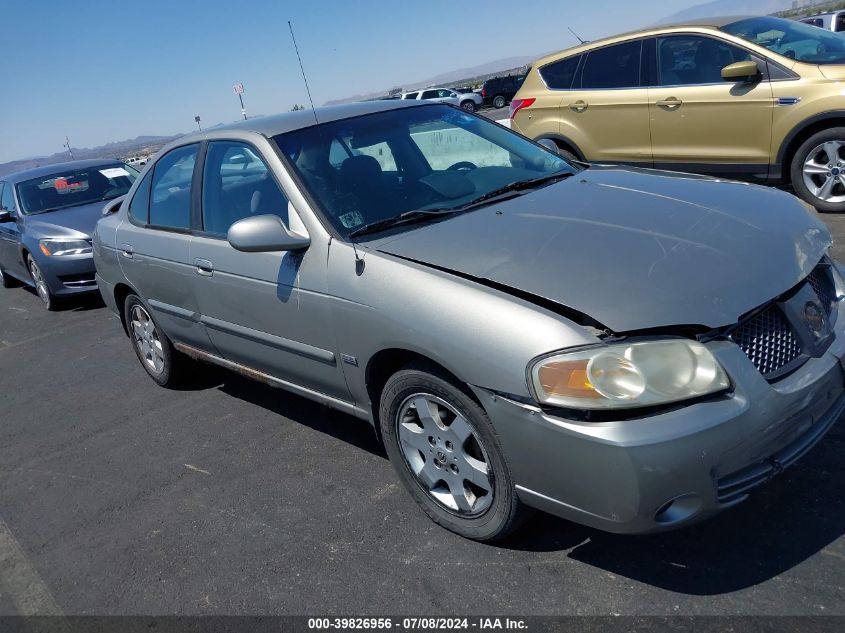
(469, 101)
(832, 21)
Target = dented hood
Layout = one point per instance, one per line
(632, 248)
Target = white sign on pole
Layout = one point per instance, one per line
(238, 88)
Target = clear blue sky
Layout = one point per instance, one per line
(103, 71)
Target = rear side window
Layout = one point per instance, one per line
(560, 74)
(411, 95)
(429, 94)
(139, 207)
(615, 66)
(170, 202)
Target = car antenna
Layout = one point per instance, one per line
(577, 37)
(304, 78)
(359, 261)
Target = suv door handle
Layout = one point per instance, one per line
(671, 103)
(204, 267)
(578, 106)
(127, 250)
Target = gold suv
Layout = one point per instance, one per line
(752, 98)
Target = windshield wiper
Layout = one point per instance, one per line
(408, 217)
(519, 185)
(427, 214)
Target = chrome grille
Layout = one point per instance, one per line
(768, 341)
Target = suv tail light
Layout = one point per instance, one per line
(518, 104)
(483, 91)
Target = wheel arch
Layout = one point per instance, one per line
(121, 291)
(802, 132)
(564, 143)
(384, 363)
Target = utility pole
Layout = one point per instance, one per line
(239, 90)
(67, 144)
(197, 119)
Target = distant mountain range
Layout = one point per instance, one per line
(117, 149)
(732, 7)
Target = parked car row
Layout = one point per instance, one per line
(630, 349)
(469, 101)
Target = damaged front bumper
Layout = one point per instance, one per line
(676, 467)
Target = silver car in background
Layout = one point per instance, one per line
(630, 349)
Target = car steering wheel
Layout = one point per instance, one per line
(463, 165)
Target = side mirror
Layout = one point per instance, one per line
(263, 234)
(5, 216)
(549, 144)
(741, 71)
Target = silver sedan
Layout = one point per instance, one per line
(630, 349)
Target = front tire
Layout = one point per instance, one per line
(41, 288)
(817, 171)
(447, 455)
(499, 102)
(468, 105)
(158, 357)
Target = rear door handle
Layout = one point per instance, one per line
(579, 106)
(671, 103)
(204, 267)
(127, 251)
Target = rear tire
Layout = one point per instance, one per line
(817, 171)
(499, 101)
(447, 455)
(158, 357)
(468, 105)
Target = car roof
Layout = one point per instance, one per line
(708, 23)
(290, 121)
(47, 170)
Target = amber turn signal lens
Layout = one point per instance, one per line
(567, 379)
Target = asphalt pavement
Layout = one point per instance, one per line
(120, 497)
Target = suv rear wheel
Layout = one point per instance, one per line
(444, 449)
(818, 170)
(468, 105)
(499, 101)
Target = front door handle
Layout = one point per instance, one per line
(204, 267)
(127, 250)
(579, 106)
(672, 103)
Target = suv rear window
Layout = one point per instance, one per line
(616, 66)
(559, 75)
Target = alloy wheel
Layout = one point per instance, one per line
(146, 339)
(824, 172)
(445, 454)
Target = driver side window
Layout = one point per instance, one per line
(7, 200)
(236, 185)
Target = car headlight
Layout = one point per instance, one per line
(57, 248)
(627, 375)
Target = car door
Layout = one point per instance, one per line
(700, 122)
(266, 311)
(447, 96)
(154, 245)
(10, 237)
(606, 114)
